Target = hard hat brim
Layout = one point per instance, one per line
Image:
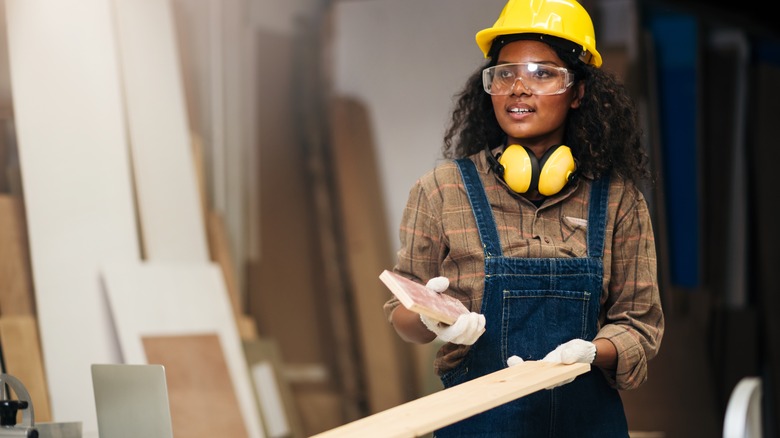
(486, 37)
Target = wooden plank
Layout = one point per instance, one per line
(367, 249)
(158, 298)
(198, 383)
(418, 298)
(448, 406)
(16, 295)
(78, 195)
(22, 359)
(169, 202)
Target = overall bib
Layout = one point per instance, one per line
(531, 306)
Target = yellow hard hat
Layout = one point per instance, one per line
(565, 19)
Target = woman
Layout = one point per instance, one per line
(536, 223)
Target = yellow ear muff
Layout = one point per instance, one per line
(549, 175)
(518, 167)
(556, 171)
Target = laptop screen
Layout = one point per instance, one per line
(131, 401)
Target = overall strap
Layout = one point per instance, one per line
(597, 216)
(481, 208)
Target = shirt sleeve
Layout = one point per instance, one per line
(633, 318)
(420, 254)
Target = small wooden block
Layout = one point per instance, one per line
(418, 298)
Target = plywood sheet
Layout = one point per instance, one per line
(169, 202)
(448, 406)
(166, 299)
(16, 295)
(74, 161)
(22, 359)
(202, 401)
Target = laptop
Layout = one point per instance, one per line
(131, 401)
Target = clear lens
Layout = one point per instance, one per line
(538, 79)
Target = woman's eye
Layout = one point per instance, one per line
(542, 73)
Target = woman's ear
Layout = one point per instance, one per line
(579, 92)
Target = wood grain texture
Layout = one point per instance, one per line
(417, 298)
(202, 400)
(22, 359)
(16, 295)
(448, 406)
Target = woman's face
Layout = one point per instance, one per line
(533, 121)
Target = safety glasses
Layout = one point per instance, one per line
(538, 79)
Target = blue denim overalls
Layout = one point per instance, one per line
(532, 305)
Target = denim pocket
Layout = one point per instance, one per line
(534, 322)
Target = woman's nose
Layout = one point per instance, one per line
(522, 88)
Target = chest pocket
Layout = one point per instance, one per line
(534, 322)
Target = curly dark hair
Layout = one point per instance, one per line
(604, 133)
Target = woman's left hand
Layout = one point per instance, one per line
(574, 351)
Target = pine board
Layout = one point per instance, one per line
(448, 406)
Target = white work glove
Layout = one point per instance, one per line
(514, 360)
(465, 330)
(574, 351)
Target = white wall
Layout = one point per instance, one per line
(405, 60)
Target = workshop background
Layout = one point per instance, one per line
(307, 122)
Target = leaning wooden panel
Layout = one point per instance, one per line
(169, 202)
(78, 197)
(165, 299)
(448, 406)
(22, 359)
(16, 295)
(198, 382)
(367, 250)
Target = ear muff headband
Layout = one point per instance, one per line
(522, 172)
